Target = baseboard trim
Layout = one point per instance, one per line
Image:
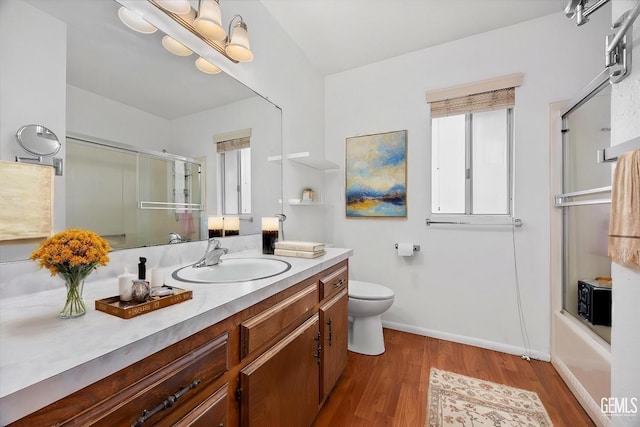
(476, 342)
(581, 394)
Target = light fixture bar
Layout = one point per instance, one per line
(189, 26)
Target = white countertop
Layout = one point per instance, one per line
(44, 358)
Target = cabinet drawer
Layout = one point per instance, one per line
(334, 282)
(259, 329)
(210, 413)
(146, 401)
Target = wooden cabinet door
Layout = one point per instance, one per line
(280, 388)
(334, 321)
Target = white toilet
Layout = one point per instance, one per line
(367, 301)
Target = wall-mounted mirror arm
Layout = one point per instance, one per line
(578, 9)
(41, 142)
(619, 45)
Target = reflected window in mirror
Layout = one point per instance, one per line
(234, 153)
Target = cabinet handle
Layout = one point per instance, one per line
(167, 403)
(338, 283)
(318, 348)
(330, 332)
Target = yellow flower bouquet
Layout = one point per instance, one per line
(73, 254)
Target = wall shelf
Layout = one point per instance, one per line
(275, 159)
(305, 158)
(297, 202)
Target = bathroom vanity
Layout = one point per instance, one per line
(266, 352)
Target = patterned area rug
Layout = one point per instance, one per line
(457, 400)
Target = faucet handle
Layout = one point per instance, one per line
(214, 242)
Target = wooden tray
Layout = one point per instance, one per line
(127, 310)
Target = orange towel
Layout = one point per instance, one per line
(624, 221)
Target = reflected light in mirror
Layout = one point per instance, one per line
(206, 66)
(135, 21)
(231, 226)
(215, 226)
(175, 6)
(209, 20)
(175, 47)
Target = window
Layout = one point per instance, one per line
(234, 152)
(470, 161)
(471, 149)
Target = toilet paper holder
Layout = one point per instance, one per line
(416, 248)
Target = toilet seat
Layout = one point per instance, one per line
(369, 291)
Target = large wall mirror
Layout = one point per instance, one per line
(124, 87)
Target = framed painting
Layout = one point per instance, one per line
(376, 175)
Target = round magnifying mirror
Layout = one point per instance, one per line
(38, 140)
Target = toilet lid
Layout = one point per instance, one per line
(369, 291)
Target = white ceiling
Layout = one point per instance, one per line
(108, 59)
(338, 35)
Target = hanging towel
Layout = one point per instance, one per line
(624, 222)
(187, 226)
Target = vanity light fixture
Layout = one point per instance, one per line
(238, 45)
(176, 6)
(234, 44)
(206, 66)
(135, 21)
(208, 22)
(175, 47)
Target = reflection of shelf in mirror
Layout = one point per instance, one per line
(298, 202)
(307, 159)
(275, 159)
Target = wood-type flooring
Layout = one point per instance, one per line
(391, 389)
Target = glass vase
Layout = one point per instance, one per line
(74, 307)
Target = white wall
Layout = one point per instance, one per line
(625, 335)
(461, 285)
(32, 84)
(94, 115)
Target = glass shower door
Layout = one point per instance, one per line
(585, 202)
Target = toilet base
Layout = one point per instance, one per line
(365, 336)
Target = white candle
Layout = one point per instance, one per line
(157, 277)
(125, 281)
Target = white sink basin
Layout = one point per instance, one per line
(233, 270)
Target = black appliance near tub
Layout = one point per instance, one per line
(594, 301)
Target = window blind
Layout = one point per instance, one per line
(233, 144)
(481, 96)
(235, 140)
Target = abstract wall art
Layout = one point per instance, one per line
(376, 175)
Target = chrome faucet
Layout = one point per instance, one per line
(212, 254)
(175, 238)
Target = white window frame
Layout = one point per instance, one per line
(451, 95)
(468, 170)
